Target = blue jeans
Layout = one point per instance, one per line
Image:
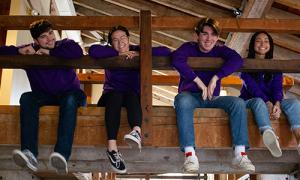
(291, 107)
(185, 104)
(30, 103)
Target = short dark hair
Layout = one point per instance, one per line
(214, 24)
(39, 27)
(114, 29)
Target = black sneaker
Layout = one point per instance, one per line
(116, 161)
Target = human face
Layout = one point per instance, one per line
(46, 40)
(120, 41)
(261, 45)
(207, 39)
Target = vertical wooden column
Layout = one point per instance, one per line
(146, 74)
(4, 10)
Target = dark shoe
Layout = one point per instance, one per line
(58, 162)
(25, 159)
(116, 161)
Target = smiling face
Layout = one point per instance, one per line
(46, 40)
(261, 45)
(207, 39)
(120, 41)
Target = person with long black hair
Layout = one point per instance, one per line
(264, 96)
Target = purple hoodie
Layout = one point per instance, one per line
(52, 81)
(119, 79)
(268, 91)
(232, 62)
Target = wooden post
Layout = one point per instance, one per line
(88, 91)
(146, 75)
(5, 7)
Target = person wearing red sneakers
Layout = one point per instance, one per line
(121, 88)
(49, 87)
(263, 94)
(201, 89)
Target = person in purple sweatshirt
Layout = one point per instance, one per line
(49, 87)
(263, 94)
(121, 88)
(201, 89)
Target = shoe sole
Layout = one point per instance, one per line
(118, 170)
(192, 170)
(59, 165)
(21, 160)
(298, 149)
(132, 142)
(270, 140)
(237, 167)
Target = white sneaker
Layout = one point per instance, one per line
(133, 139)
(242, 162)
(271, 142)
(191, 164)
(58, 162)
(298, 148)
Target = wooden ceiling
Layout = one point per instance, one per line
(287, 45)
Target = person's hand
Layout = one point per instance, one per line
(276, 111)
(201, 86)
(42, 51)
(27, 50)
(270, 109)
(129, 54)
(211, 87)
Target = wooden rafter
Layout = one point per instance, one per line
(254, 9)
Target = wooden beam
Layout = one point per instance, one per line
(173, 80)
(193, 8)
(289, 3)
(158, 63)
(158, 23)
(253, 9)
(146, 73)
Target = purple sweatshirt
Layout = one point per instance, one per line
(52, 81)
(119, 79)
(268, 91)
(233, 62)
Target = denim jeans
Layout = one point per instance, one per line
(185, 104)
(291, 107)
(30, 103)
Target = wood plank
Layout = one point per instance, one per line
(146, 74)
(90, 129)
(171, 80)
(158, 160)
(158, 23)
(158, 63)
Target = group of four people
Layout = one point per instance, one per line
(262, 92)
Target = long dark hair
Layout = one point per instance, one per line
(269, 54)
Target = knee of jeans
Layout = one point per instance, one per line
(183, 101)
(238, 102)
(26, 98)
(70, 100)
(291, 102)
(258, 103)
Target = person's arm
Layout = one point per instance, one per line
(277, 94)
(9, 50)
(99, 51)
(179, 61)
(232, 62)
(253, 88)
(161, 51)
(66, 48)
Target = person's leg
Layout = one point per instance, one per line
(185, 104)
(291, 107)
(113, 104)
(134, 117)
(68, 102)
(261, 114)
(30, 102)
(236, 109)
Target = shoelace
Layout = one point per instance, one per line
(118, 157)
(136, 134)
